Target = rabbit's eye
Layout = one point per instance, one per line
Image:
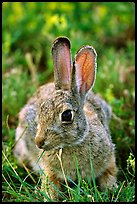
(67, 116)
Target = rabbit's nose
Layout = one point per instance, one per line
(39, 138)
(39, 141)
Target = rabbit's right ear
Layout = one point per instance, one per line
(84, 70)
(62, 63)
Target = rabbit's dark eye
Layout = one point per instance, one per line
(67, 116)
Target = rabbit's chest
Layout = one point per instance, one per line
(73, 161)
(70, 164)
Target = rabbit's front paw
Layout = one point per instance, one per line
(50, 185)
(108, 178)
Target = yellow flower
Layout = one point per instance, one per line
(54, 19)
(18, 10)
(62, 22)
(101, 10)
(131, 163)
(49, 22)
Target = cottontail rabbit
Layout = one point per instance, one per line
(69, 121)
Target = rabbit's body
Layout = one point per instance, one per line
(60, 119)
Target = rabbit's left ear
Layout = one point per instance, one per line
(85, 69)
(62, 63)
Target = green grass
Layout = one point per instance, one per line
(25, 186)
(27, 63)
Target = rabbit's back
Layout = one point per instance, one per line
(101, 107)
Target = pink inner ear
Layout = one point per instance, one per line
(85, 69)
(64, 63)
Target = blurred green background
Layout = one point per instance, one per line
(28, 30)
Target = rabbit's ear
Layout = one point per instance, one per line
(62, 63)
(85, 69)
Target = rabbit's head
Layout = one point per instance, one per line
(62, 121)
